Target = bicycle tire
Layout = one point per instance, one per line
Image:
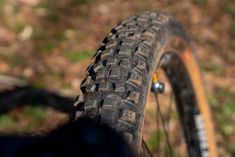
(118, 81)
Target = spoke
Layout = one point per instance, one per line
(158, 133)
(145, 150)
(164, 128)
(169, 110)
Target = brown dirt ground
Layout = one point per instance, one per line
(38, 39)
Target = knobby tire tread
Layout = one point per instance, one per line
(117, 82)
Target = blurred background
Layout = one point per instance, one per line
(49, 44)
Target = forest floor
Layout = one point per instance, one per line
(49, 44)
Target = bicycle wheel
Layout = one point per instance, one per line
(118, 81)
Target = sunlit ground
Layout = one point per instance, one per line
(49, 44)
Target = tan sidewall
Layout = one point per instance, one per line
(194, 74)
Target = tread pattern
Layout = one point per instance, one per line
(117, 82)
